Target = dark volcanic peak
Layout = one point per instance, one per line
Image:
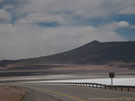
(95, 42)
(90, 44)
(94, 52)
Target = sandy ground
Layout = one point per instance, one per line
(11, 93)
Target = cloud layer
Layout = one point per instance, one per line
(27, 26)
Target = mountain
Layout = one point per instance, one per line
(94, 52)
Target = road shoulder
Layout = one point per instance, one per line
(12, 93)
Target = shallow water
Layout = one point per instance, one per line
(116, 81)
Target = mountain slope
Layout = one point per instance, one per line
(92, 53)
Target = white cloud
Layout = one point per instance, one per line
(63, 10)
(127, 6)
(130, 10)
(8, 6)
(115, 25)
(85, 8)
(41, 17)
(27, 40)
(123, 24)
(4, 15)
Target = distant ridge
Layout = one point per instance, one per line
(94, 52)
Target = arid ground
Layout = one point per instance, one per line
(11, 93)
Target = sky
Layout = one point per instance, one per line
(33, 28)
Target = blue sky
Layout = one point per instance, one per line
(32, 28)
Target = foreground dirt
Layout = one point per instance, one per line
(11, 93)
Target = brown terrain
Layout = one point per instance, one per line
(11, 93)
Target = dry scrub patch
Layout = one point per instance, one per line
(11, 93)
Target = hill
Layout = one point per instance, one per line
(94, 52)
